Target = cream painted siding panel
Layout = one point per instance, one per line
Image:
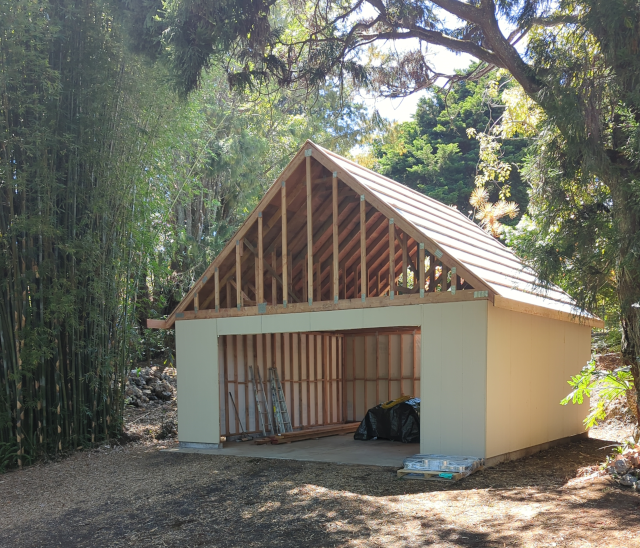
(529, 359)
(244, 325)
(472, 337)
(344, 319)
(392, 316)
(285, 323)
(453, 378)
(198, 394)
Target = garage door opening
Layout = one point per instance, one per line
(328, 378)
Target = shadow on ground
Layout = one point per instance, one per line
(173, 499)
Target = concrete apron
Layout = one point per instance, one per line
(336, 449)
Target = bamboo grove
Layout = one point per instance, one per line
(68, 261)
(113, 195)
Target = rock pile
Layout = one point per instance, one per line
(625, 467)
(150, 385)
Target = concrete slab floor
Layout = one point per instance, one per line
(338, 449)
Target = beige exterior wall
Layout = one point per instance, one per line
(198, 392)
(529, 360)
(198, 355)
(453, 378)
(490, 379)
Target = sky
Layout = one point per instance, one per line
(442, 60)
(401, 110)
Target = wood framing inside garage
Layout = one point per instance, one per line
(327, 378)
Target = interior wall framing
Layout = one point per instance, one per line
(378, 367)
(310, 369)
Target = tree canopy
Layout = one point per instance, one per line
(114, 195)
(120, 178)
(578, 61)
(435, 154)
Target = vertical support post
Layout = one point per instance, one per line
(336, 277)
(309, 229)
(392, 259)
(454, 280)
(364, 376)
(285, 257)
(421, 268)
(405, 261)
(255, 277)
(238, 275)
(318, 281)
(290, 271)
(344, 279)
(216, 276)
(325, 378)
(196, 302)
(355, 279)
(443, 277)
(260, 281)
(353, 372)
(274, 287)
(415, 364)
(363, 249)
(343, 382)
(377, 366)
(304, 279)
(432, 273)
(225, 372)
(331, 284)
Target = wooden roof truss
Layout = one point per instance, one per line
(319, 240)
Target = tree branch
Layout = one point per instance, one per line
(439, 39)
(553, 20)
(507, 53)
(467, 12)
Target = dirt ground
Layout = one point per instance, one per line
(137, 495)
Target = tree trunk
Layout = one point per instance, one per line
(631, 339)
(627, 219)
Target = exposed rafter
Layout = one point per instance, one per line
(329, 230)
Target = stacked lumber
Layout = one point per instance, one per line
(310, 434)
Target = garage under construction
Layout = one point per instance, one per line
(344, 289)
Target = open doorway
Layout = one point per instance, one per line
(327, 377)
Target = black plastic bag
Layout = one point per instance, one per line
(398, 423)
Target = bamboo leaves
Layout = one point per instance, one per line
(73, 104)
